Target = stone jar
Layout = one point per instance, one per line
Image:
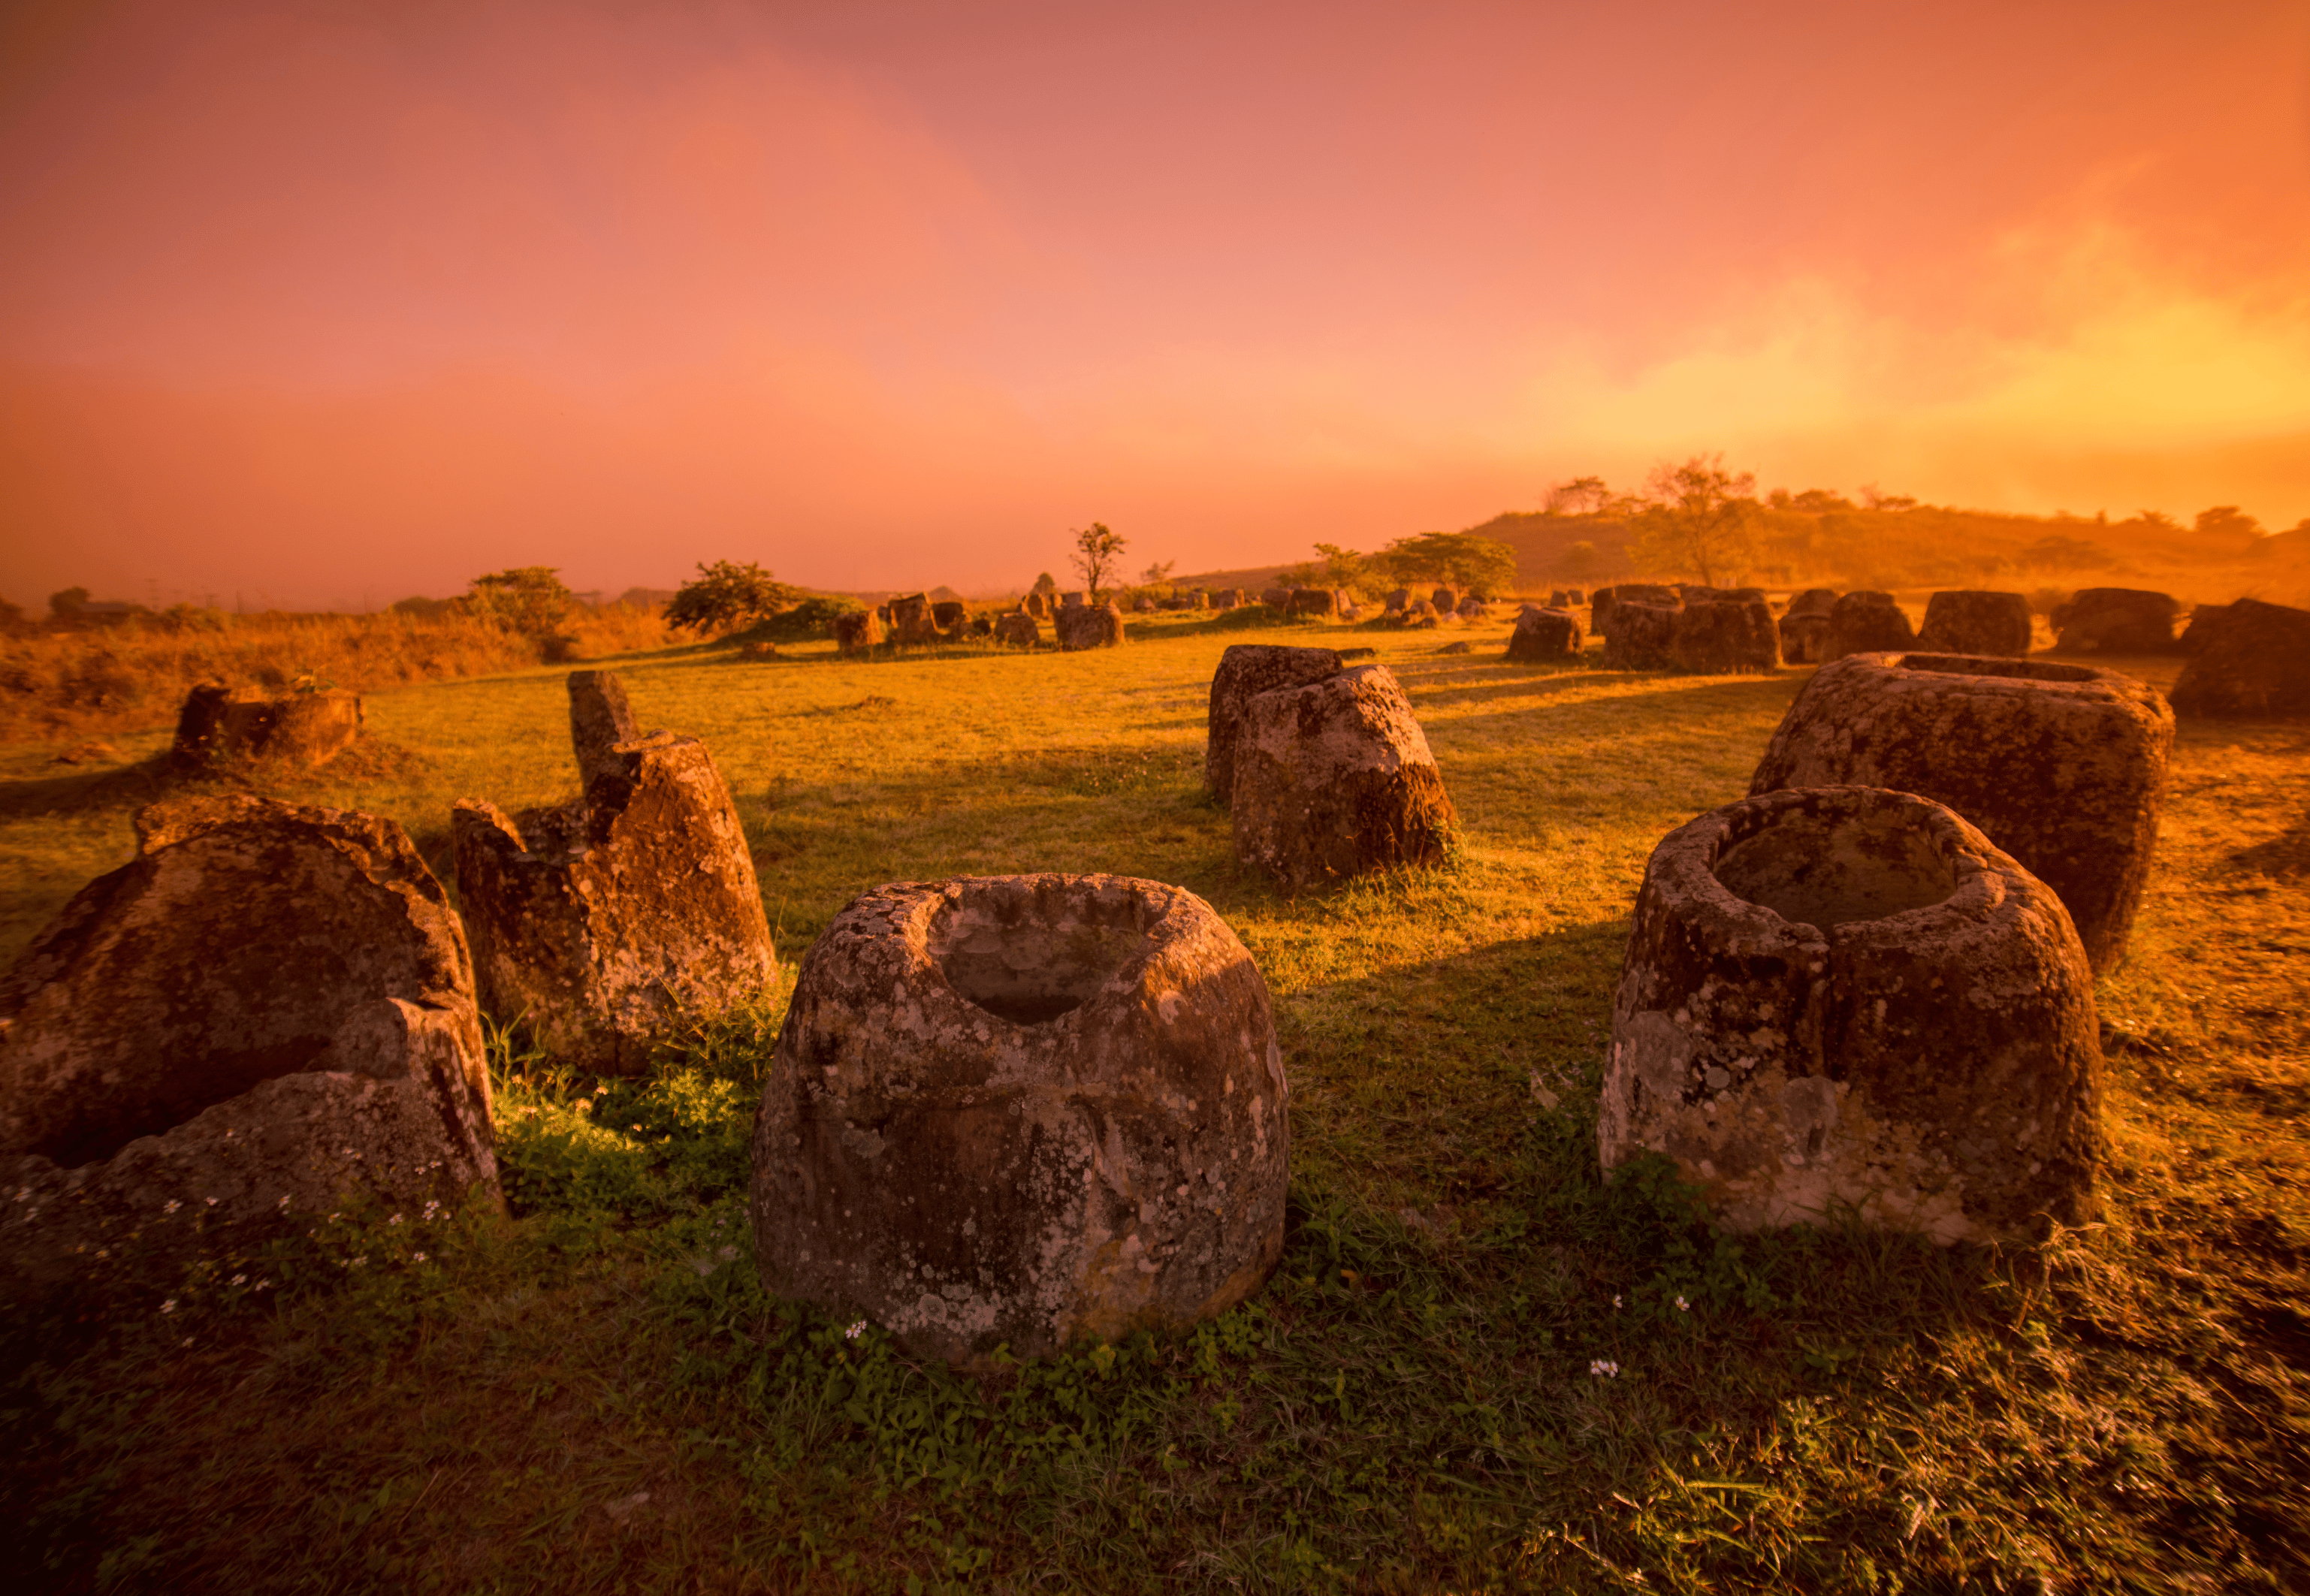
(308, 730)
(1846, 1000)
(1639, 636)
(269, 1010)
(2116, 621)
(857, 631)
(1721, 636)
(1804, 639)
(1546, 637)
(605, 920)
(1867, 622)
(1089, 626)
(2064, 767)
(1972, 621)
(1336, 779)
(1248, 670)
(1019, 628)
(1023, 1111)
(2246, 658)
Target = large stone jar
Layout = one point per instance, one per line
(1021, 1111)
(1336, 779)
(268, 1011)
(2062, 766)
(1845, 1001)
(1248, 670)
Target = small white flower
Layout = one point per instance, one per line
(419, 1256)
(169, 1306)
(210, 1200)
(283, 1202)
(395, 1220)
(1603, 1369)
(264, 1285)
(172, 1206)
(1683, 1306)
(855, 1331)
(1616, 1299)
(241, 1279)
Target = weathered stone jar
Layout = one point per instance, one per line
(1844, 1000)
(2062, 766)
(1248, 670)
(1020, 1110)
(1336, 779)
(270, 1009)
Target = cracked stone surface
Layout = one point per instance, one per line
(600, 719)
(1845, 1000)
(1335, 779)
(605, 920)
(270, 1003)
(2062, 766)
(1245, 670)
(1023, 1111)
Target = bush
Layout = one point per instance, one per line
(812, 619)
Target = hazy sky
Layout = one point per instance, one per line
(334, 300)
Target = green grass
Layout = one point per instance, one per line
(1410, 1404)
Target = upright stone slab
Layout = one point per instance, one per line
(1868, 622)
(304, 730)
(1725, 637)
(1972, 621)
(605, 921)
(1335, 779)
(1640, 637)
(1037, 605)
(1847, 999)
(2248, 658)
(270, 1009)
(1546, 637)
(600, 719)
(2115, 621)
(1089, 626)
(1023, 1112)
(1248, 670)
(2062, 765)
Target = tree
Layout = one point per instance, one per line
(1157, 574)
(1478, 565)
(1097, 549)
(1577, 496)
(1047, 585)
(726, 596)
(68, 603)
(2227, 521)
(1699, 519)
(528, 599)
(1341, 568)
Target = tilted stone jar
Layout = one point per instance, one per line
(1844, 1000)
(1021, 1111)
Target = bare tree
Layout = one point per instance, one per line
(1577, 496)
(1097, 549)
(1699, 519)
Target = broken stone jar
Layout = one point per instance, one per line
(1847, 1002)
(1021, 1111)
(269, 1010)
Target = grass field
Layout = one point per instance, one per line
(595, 1395)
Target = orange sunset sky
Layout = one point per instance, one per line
(329, 303)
